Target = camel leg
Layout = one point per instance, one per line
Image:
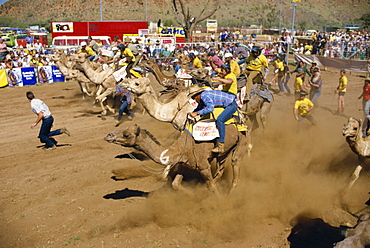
(165, 172)
(176, 184)
(101, 98)
(264, 113)
(220, 168)
(354, 177)
(207, 176)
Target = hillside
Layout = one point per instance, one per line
(309, 13)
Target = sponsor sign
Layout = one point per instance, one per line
(203, 131)
(62, 27)
(171, 31)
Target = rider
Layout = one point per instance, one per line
(130, 58)
(207, 101)
(88, 50)
(255, 62)
(235, 68)
(195, 61)
(228, 80)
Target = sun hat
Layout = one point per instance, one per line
(303, 92)
(83, 43)
(127, 39)
(228, 55)
(367, 79)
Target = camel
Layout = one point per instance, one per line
(104, 79)
(187, 152)
(358, 236)
(169, 82)
(66, 68)
(358, 144)
(258, 108)
(174, 111)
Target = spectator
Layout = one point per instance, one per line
(315, 83)
(302, 109)
(3, 49)
(341, 90)
(366, 106)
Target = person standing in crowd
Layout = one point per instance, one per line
(227, 80)
(316, 84)
(341, 90)
(207, 101)
(283, 83)
(314, 66)
(302, 67)
(125, 100)
(302, 109)
(298, 84)
(3, 49)
(366, 106)
(29, 40)
(43, 114)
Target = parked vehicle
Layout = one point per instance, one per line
(67, 42)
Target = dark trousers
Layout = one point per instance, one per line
(45, 134)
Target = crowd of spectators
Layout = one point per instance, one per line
(347, 45)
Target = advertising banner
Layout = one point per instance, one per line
(14, 77)
(3, 79)
(29, 76)
(57, 75)
(62, 27)
(45, 74)
(171, 31)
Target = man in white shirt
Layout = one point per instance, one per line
(43, 113)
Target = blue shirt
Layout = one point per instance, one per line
(212, 98)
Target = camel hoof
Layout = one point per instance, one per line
(104, 112)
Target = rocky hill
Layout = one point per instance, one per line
(309, 13)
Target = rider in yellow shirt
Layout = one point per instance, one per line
(227, 79)
(341, 90)
(88, 50)
(195, 61)
(256, 62)
(234, 66)
(130, 58)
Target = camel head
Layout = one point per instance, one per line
(79, 57)
(55, 57)
(127, 137)
(202, 74)
(137, 86)
(352, 127)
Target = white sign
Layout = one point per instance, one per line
(120, 74)
(203, 131)
(62, 27)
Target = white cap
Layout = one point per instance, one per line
(83, 43)
(228, 55)
(115, 49)
(175, 60)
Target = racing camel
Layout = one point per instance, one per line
(187, 152)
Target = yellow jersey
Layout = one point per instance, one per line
(233, 87)
(343, 82)
(255, 64)
(303, 105)
(298, 84)
(197, 63)
(235, 68)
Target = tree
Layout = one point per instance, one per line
(189, 20)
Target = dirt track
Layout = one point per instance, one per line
(64, 197)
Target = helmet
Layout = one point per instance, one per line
(191, 55)
(256, 49)
(226, 67)
(228, 55)
(121, 46)
(83, 43)
(211, 54)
